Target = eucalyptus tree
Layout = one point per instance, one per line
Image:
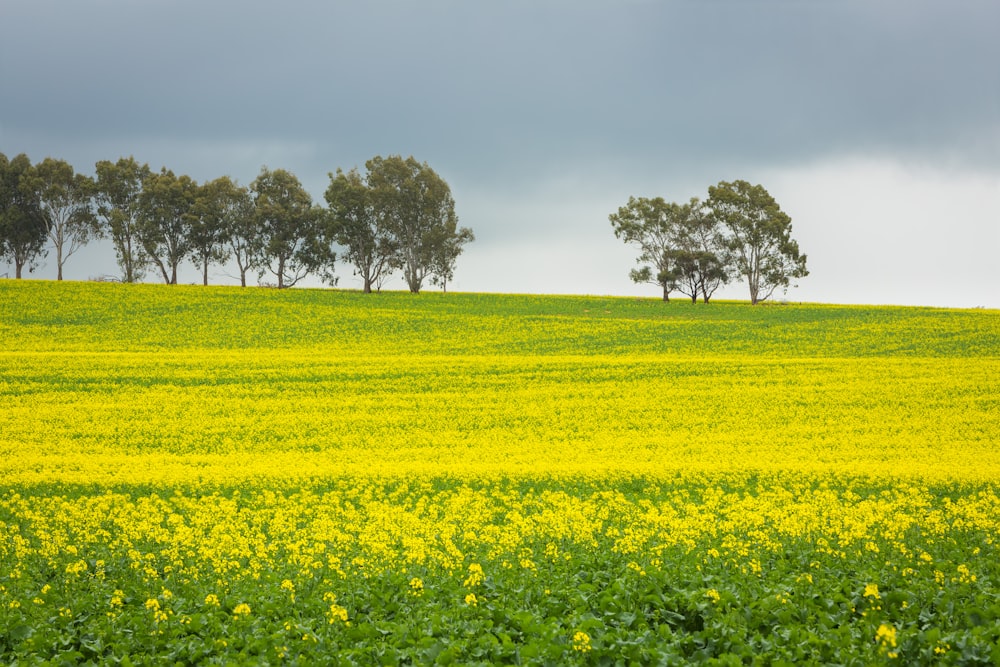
(291, 240)
(66, 202)
(444, 258)
(166, 213)
(217, 204)
(419, 213)
(759, 236)
(359, 226)
(225, 227)
(653, 226)
(701, 259)
(22, 222)
(118, 188)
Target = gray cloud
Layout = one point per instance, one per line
(504, 99)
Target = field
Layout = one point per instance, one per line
(228, 476)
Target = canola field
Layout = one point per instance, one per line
(244, 476)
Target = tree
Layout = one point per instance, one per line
(217, 202)
(447, 247)
(119, 185)
(292, 243)
(240, 229)
(418, 211)
(701, 260)
(22, 222)
(65, 199)
(357, 225)
(759, 237)
(652, 225)
(166, 212)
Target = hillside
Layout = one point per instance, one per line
(113, 380)
(228, 476)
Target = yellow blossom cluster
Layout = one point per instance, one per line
(200, 440)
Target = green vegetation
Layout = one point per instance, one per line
(242, 476)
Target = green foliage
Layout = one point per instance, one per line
(414, 205)
(118, 190)
(220, 209)
(23, 229)
(360, 226)
(834, 572)
(697, 247)
(291, 239)
(760, 237)
(652, 225)
(808, 600)
(166, 215)
(65, 199)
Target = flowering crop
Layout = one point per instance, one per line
(216, 474)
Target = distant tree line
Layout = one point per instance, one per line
(694, 248)
(398, 216)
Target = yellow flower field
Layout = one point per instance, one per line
(253, 475)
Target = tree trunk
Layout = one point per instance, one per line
(17, 269)
(243, 278)
(368, 285)
(666, 294)
(59, 262)
(694, 298)
(205, 273)
(281, 273)
(163, 271)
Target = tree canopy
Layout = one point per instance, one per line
(118, 189)
(653, 226)
(400, 215)
(291, 242)
(23, 230)
(65, 200)
(759, 236)
(697, 247)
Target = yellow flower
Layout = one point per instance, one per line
(471, 600)
(886, 636)
(242, 609)
(336, 613)
(416, 586)
(871, 591)
(713, 595)
(581, 641)
(212, 600)
(475, 577)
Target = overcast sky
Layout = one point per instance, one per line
(875, 125)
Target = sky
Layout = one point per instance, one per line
(874, 125)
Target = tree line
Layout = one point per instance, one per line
(694, 248)
(397, 216)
